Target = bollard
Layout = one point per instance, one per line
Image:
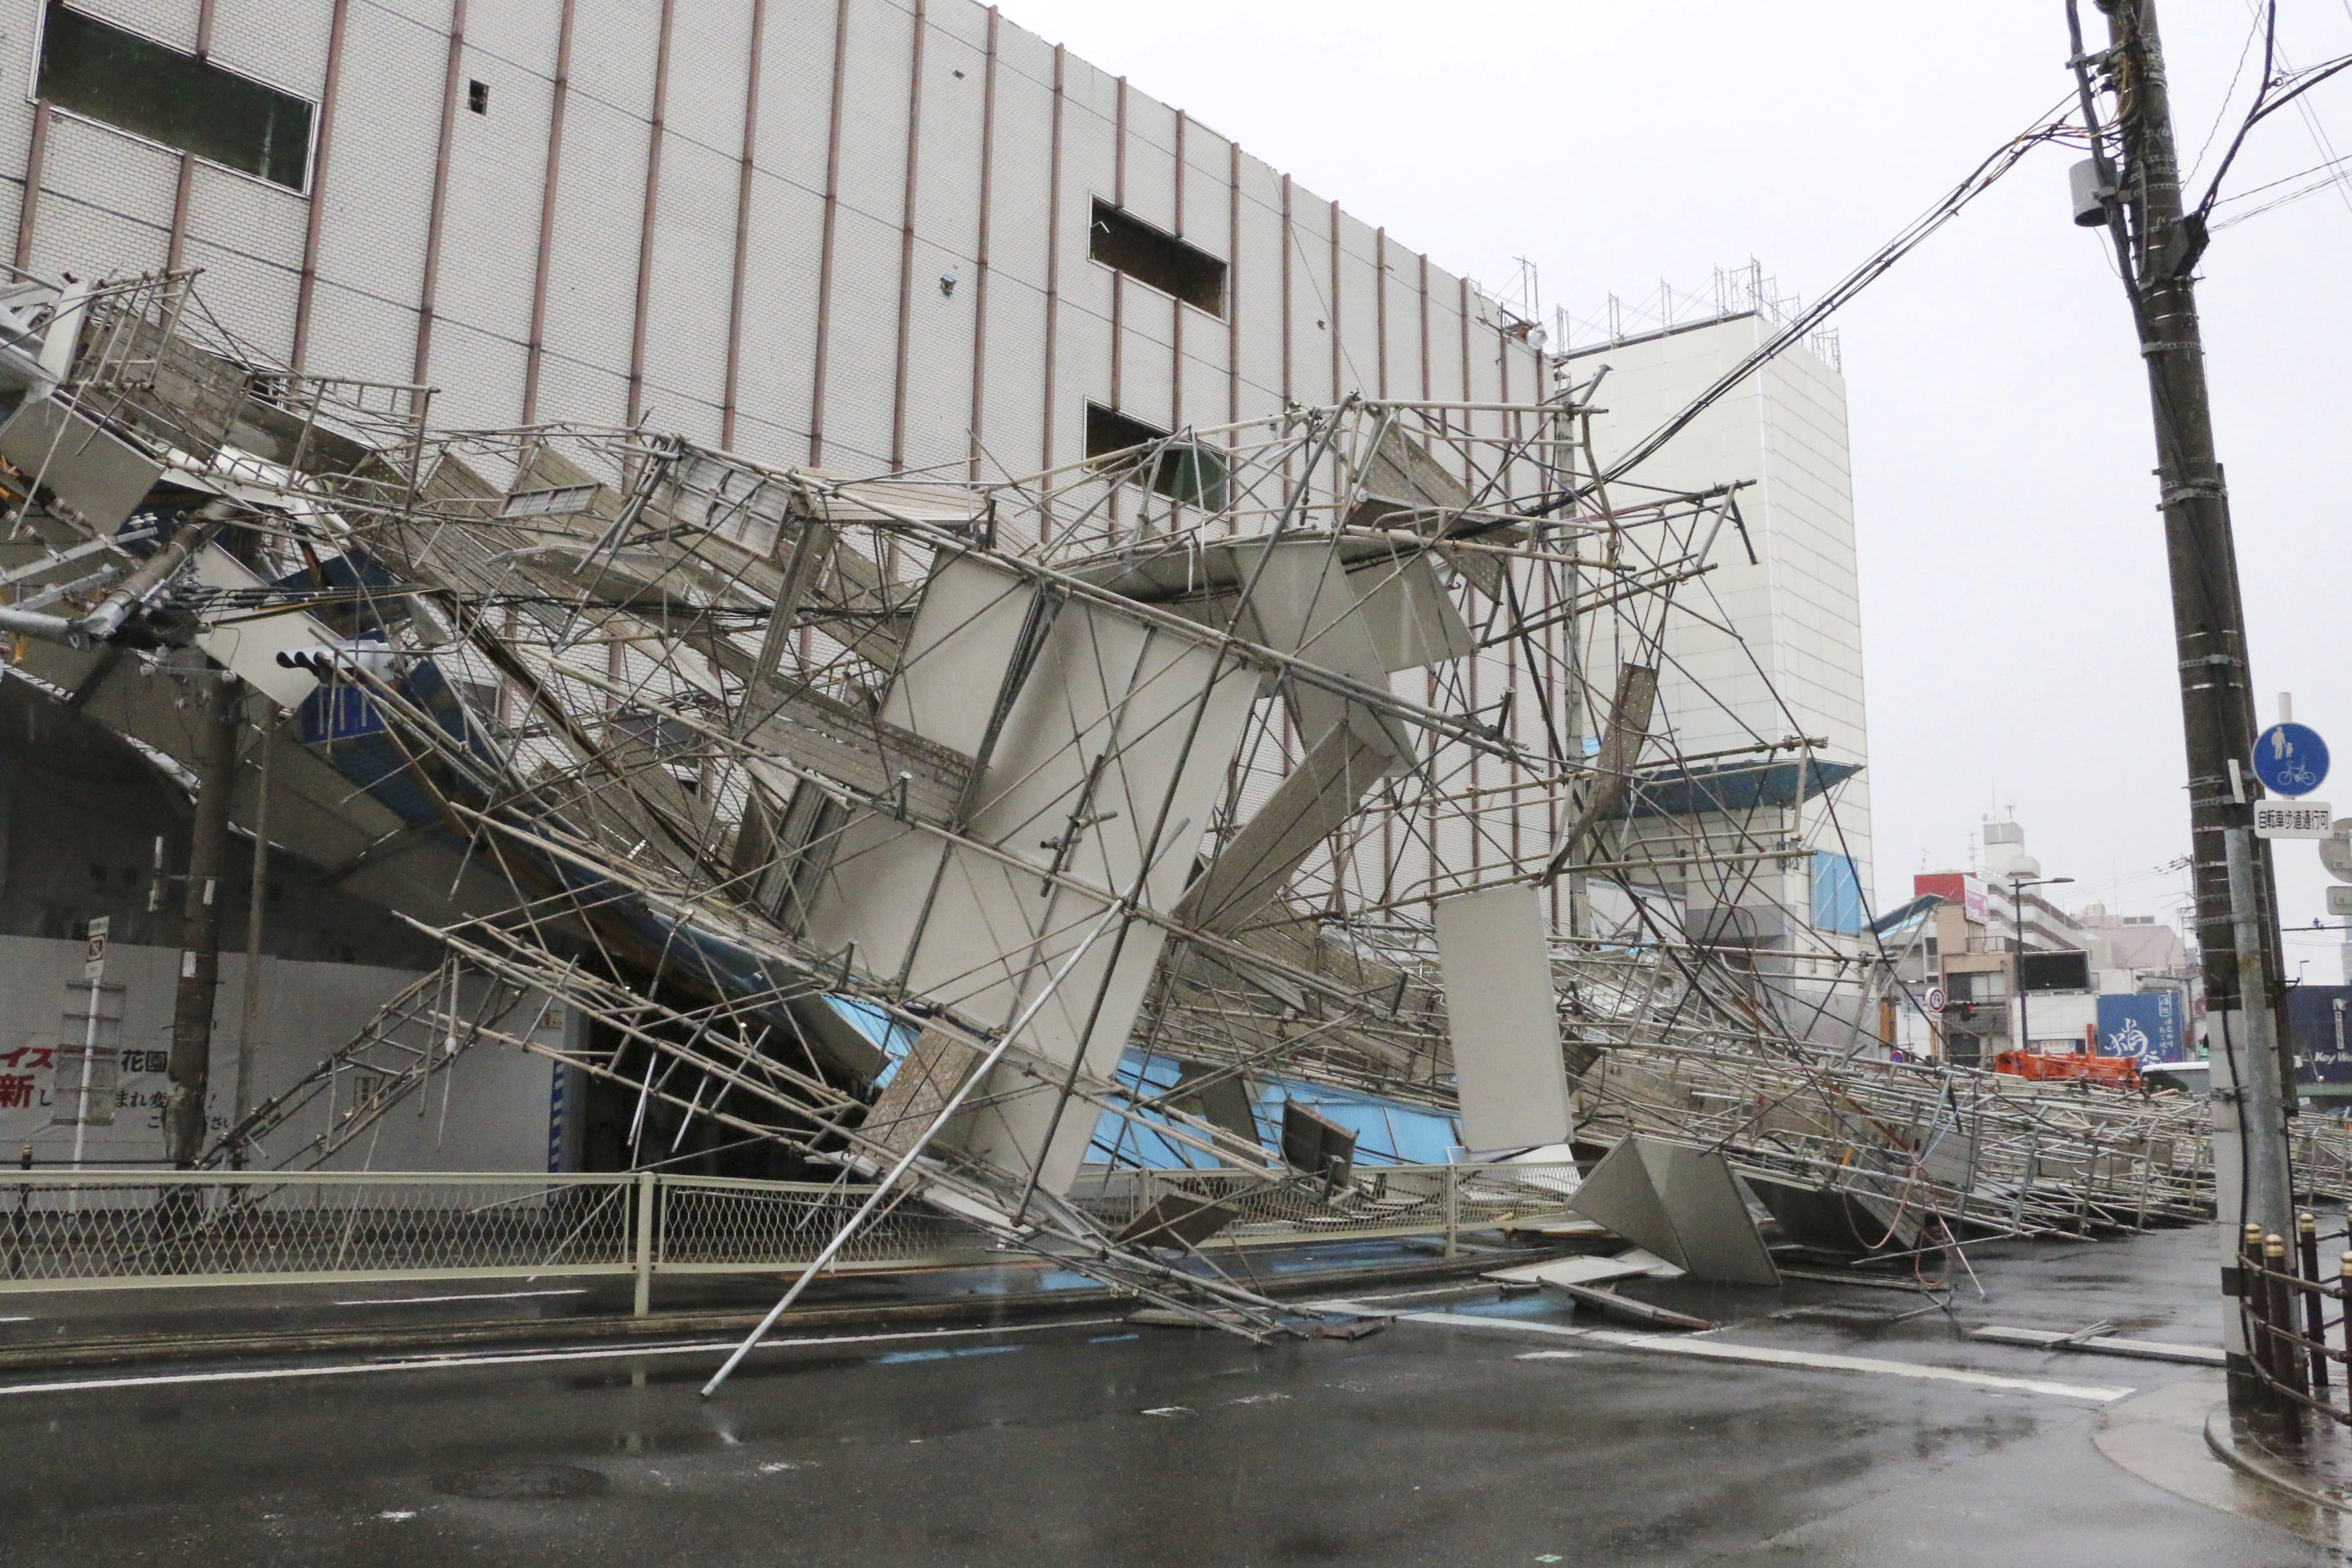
(2344, 1281)
(2315, 1310)
(2253, 1308)
(2286, 1364)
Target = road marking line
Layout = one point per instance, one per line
(1716, 1350)
(471, 1296)
(515, 1358)
(22, 1319)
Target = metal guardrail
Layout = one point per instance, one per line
(90, 1230)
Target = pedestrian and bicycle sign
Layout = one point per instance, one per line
(2290, 759)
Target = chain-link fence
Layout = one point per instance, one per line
(126, 1230)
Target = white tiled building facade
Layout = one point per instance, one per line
(1796, 611)
(847, 232)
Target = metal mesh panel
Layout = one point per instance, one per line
(713, 1225)
(874, 110)
(780, 314)
(106, 201)
(693, 277)
(947, 179)
(172, 22)
(517, 39)
(1151, 161)
(124, 1229)
(285, 45)
(379, 191)
(593, 272)
(795, 93)
(710, 60)
(938, 362)
(863, 346)
(614, 46)
(489, 254)
(1020, 181)
(252, 298)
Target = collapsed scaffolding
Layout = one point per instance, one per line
(971, 837)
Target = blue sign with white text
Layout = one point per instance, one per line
(2143, 1024)
(2316, 1024)
(2290, 759)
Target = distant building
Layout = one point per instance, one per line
(1775, 654)
(2134, 987)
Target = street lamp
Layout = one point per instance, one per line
(2017, 887)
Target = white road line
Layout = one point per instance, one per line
(473, 1296)
(515, 1358)
(1761, 1355)
(24, 1319)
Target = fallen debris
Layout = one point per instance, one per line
(2103, 1345)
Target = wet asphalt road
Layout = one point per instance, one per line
(1098, 1443)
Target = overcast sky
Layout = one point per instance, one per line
(2016, 617)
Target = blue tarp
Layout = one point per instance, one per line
(1386, 1132)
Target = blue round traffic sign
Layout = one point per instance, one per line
(2290, 759)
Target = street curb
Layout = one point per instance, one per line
(2250, 1460)
(958, 1312)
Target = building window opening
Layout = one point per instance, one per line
(1184, 471)
(148, 89)
(1125, 243)
(477, 97)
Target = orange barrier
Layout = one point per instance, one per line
(2045, 1067)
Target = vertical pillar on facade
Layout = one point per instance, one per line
(906, 241)
(1175, 306)
(314, 221)
(1287, 240)
(826, 245)
(1381, 308)
(1053, 270)
(1232, 294)
(1118, 278)
(979, 259)
(1339, 384)
(183, 183)
(746, 168)
(657, 135)
(536, 350)
(28, 209)
(428, 295)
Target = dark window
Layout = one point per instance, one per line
(2067, 970)
(1184, 471)
(157, 92)
(1127, 244)
(477, 97)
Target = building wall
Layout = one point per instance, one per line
(864, 149)
(493, 1111)
(1795, 665)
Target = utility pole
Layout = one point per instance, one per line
(218, 715)
(2017, 887)
(2137, 175)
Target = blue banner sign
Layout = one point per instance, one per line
(2317, 1024)
(2143, 1024)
